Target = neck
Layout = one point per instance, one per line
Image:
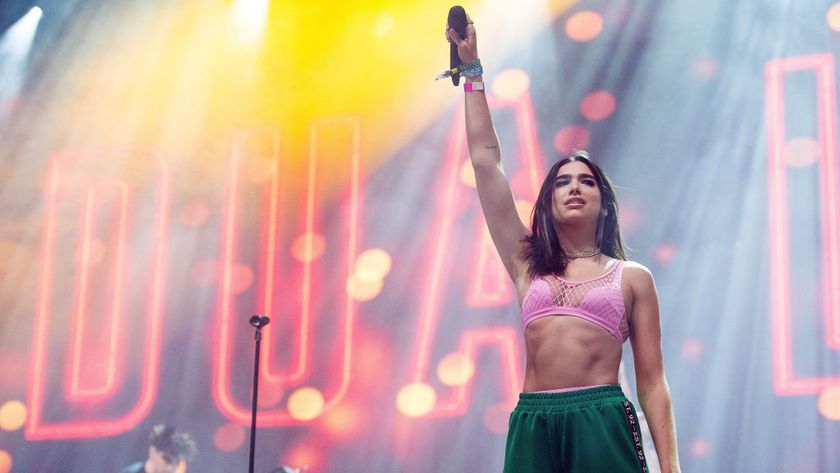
(577, 239)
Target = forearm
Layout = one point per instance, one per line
(655, 401)
(481, 135)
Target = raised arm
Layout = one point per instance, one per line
(651, 385)
(494, 192)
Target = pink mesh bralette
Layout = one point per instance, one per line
(598, 300)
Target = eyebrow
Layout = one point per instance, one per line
(568, 176)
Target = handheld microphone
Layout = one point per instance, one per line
(457, 20)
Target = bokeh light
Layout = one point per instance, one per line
(5, 462)
(698, 448)
(510, 84)
(455, 369)
(304, 253)
(570, 138)
(467, 174)
(692, 350)
(832, 17)
(828, 403)
(496, 418)
(373, 264)
(665, 253)
(12, 415)
(306, 404)
(229, 437)
(363, 289)
(801, 152)
(597, 105)
(629, 216)
(242, 278)
(194, 213)
(342, 421)
(584, 26)
(370, 269)
(416, 399)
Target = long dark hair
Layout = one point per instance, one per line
(543, 251)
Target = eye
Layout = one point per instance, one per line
(589, 182)
(560, 182)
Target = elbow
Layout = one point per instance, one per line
(652, 387)
(484, 159)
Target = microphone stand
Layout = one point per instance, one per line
(258, 322)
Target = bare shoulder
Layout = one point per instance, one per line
(638, 276)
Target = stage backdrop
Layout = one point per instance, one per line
(169, 169)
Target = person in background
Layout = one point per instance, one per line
(168, 450)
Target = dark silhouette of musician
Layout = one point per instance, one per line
(168, 450)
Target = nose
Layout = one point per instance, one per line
(574, 187)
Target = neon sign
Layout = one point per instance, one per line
(82, 191)
(785, 381)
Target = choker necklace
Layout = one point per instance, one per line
(583, 254)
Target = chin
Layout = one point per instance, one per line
(577, 219)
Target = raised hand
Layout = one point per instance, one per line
(467, 47)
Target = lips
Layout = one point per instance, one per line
(574, 201)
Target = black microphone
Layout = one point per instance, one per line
(259, 321)
(457, 20)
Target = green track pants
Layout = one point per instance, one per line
(591, 430)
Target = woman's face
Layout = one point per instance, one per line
(576, 197)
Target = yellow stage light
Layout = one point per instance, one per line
(363, 289)
(5, 462)
(373, 264)
(416, 400)
(12, 415)
(306, 404)
(828, 403)
(511, 83)
(832, 17)
(455, 369)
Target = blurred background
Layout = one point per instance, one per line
(169, 169)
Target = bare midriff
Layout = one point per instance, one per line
(566, 351)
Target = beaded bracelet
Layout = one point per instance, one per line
(472, 69)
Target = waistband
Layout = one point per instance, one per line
(565, 390)
(570, 400)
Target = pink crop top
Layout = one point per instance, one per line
(598, 300)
